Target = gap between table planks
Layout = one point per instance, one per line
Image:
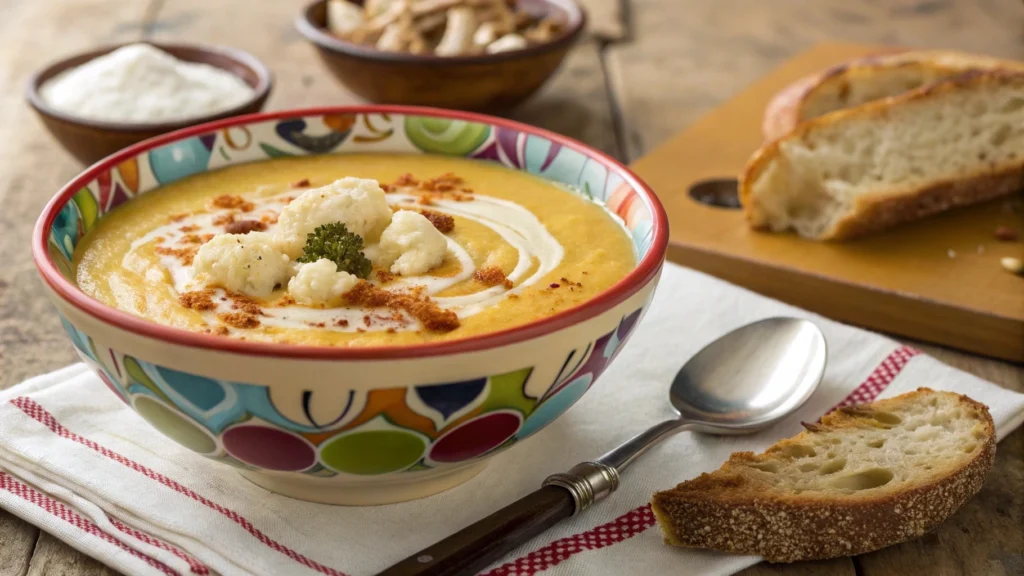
(647, 69)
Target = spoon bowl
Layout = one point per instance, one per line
(751, 377)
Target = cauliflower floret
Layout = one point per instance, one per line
(411, 245)
(320, 284)
(248, 263)
(359, 204)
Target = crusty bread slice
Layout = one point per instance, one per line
(863, 478)
(867, 168)
(866, 79)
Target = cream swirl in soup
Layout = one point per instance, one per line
(537, 254)
(517, 248)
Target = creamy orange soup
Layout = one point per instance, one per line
(519, 249)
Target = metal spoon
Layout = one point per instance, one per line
(742, 382)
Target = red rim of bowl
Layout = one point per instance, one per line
(644, 271)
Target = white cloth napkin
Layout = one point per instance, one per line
(79, 464)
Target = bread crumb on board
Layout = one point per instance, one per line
(1006, 234)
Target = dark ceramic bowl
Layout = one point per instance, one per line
(90, 140)
(488, 82)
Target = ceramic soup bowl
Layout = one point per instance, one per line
(354, 425)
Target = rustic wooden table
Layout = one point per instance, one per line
(647, 69)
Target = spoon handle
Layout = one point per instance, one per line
(562, 495)
(622, 456)
(477, 546)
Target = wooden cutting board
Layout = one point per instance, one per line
(937, 280)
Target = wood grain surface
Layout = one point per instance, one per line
(648, 68)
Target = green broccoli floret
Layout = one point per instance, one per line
(337, 244)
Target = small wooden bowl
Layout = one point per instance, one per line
(487, 82)
(91, 140)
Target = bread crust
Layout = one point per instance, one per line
(726, 511)
(873, 214)
(782, 113)
(790, 106)
(888, 208)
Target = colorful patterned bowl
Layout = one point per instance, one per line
(350, 425)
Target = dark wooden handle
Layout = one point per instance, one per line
(475, 547)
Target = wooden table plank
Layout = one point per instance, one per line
(687, 56)
(34, 167)
(55, 558)
(574, 103)
(31, 338)
(834, 567)
(682, 58)
(17, 542)
(300, 80)
(606, 19)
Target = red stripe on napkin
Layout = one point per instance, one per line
(195, 566)
(68, 515)
(39, 414)
(640, 519)
(881, 377)
(622, 528)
